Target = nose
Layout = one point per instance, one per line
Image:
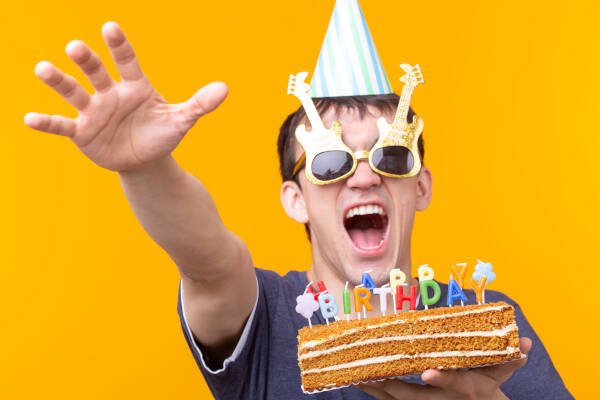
(364, 177)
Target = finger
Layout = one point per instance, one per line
(525, 344)
(443, 379)
(377, 393)
(65, 85)
(122, 52)
(202, 102)
(398, 389)
(90, 64)
(438, 378)
(56, 124)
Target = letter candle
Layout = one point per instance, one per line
(459, 271)
(328, 307)
(367, 281)
(306, 305)
(454, 293)
(484, 270)
(346, 296)
(478, 287)
(383, 292)
(426, 281)
(321, 286)
(401, 298)
(397, 278)
(361, 298)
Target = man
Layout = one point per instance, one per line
(242, 333)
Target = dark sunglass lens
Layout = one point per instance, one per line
(330, 165)
(397, 160)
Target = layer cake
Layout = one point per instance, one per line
(344, 353)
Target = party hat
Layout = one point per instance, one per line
(348, 63)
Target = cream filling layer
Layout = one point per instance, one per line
(497, 332)
(313, 343)
(395, 357)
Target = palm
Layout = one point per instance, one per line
(127, 126)
(124, 124)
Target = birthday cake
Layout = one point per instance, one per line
(349, 352)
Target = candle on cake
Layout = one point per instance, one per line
(459, 270)
(328, 307)
(455, 292)
(321, 286)
(397, 278)
(383, 292)
(367, 281)
(426, 281)
(482, 275)
(361, 299)
(346, 297)
(401, 298)
(306, 304)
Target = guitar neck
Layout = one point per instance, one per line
(311, 112)
(400, 122)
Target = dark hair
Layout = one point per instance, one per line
(387, 103)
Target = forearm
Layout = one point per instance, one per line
(179, 214)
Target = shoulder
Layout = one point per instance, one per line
(292, 280)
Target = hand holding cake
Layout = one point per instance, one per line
(403, 343)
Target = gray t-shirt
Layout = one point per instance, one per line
(264, 363)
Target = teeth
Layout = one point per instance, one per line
(374, 247)
(365, 210)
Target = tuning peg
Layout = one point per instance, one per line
(291, 85)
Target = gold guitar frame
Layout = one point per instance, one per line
(400, 132)
(320, 139)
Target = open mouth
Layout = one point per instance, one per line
(367, 227)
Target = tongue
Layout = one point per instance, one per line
(365, 238)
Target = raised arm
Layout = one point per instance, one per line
(128, 127)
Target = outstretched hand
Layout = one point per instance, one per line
(476, 383)
(123, 125)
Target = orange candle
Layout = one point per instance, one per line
(458, 272)
(478, 287)
(361, 298)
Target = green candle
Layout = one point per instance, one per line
(346, 296)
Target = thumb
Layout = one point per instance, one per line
(203, 101)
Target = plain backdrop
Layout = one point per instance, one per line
(510, 104)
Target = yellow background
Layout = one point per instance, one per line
(510, 106)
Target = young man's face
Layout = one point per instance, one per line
(377, 236)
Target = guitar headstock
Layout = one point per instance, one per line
(413, 75)
(296, 84)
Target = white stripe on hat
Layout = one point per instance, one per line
(372, 53)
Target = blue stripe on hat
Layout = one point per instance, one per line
(347, 66)
(372, 51)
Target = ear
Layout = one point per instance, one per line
(424, 188)
(293, 203)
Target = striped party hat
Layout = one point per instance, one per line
(348, 63)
